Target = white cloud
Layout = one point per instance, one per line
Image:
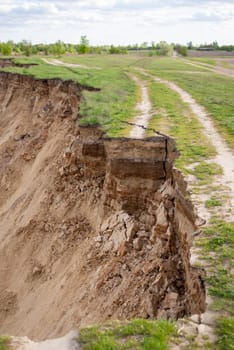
(117, 21)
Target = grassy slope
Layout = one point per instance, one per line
(213, 91)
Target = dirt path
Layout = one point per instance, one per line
(55, 62)
(214, 69)
(224, 156)
(68, 342)
(144, 108)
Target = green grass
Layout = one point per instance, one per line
(135, 334)
(219, 240)
(205, 172)
(4, 343)
(211, 61)
(225, 331)
(213, 202)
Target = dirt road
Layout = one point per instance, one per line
(224, 156)
(144, 108)
(55, 62)
(215, 69)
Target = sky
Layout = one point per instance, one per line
(118, 22)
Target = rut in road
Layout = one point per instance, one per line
(144, 111)
(215, 69)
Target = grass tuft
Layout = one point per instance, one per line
(213, 202)
(205, 172)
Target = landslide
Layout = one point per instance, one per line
(91, 228)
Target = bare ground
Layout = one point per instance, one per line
(144, 108)
(68, 342)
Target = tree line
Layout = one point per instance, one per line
(83, 47)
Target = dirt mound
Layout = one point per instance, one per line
(91, 228)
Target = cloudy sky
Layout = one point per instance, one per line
(118, 21)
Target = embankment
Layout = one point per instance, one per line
(91, 228)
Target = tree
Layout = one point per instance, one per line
(182, 50)
(6, 48)
(190, 45)
(83, 47)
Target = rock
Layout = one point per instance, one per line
(98, 239)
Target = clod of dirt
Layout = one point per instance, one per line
(91, 227)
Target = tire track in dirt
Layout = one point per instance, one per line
(224, 156)
(55, 62)
(216, 69)
(144, 108)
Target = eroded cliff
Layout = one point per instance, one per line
(91, 227)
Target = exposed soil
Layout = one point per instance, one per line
(68, 342)
(9, 62)
(91, 228)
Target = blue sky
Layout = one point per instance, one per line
(117, 21)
